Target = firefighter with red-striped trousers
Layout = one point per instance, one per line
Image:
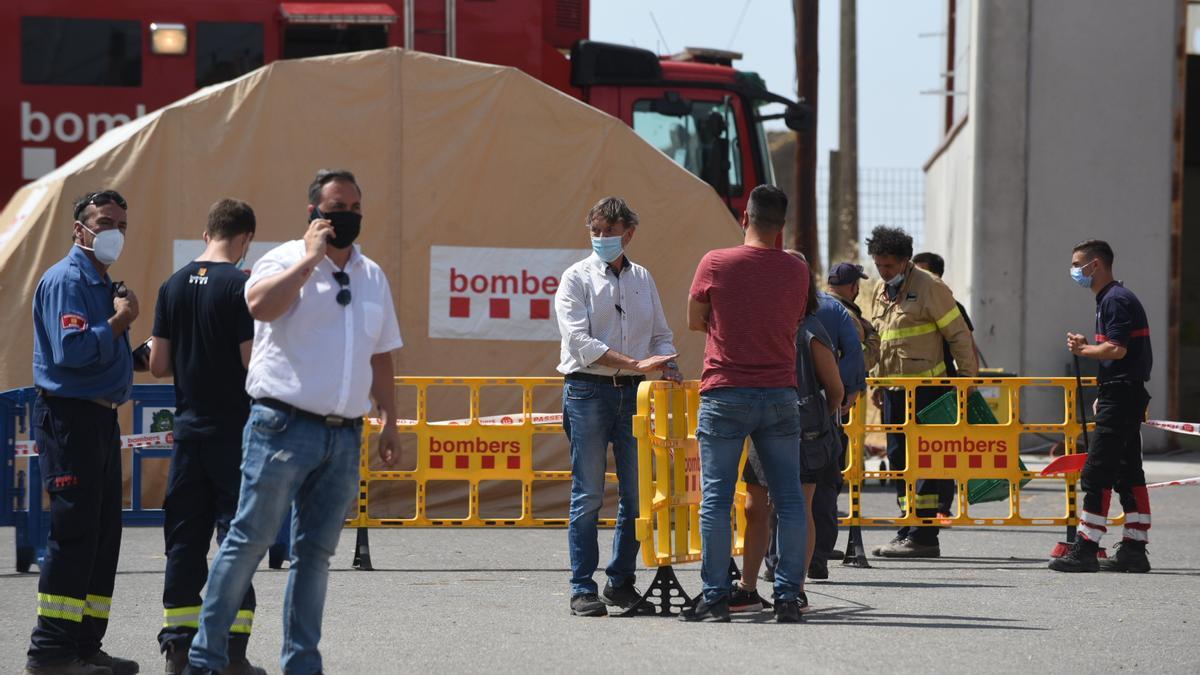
(1114, 460)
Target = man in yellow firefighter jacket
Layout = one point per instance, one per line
(915, 314)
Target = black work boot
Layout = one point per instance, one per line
(909, 548)
(72, 667)
(176, 655)
(1080, 558)
(1130, 557)
(116, 664)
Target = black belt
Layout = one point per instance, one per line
(102, 402)
(611, 380)
(1122, 383)
(327, 420)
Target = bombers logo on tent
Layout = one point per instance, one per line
(478, 293)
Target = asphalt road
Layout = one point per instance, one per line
(496, 601)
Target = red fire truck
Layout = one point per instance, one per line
(81, 67)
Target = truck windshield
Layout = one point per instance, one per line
(705, 140)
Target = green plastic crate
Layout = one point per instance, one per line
(945, 411)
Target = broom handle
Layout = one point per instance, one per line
(1087, 444)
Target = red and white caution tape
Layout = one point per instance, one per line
(1178, 427)
(1182, 481)
(154, 440)
(495, 420)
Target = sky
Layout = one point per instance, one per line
(897, 126)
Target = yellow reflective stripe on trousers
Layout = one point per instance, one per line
(922, 501)
(60, 607)
(97, 606)
(948, 317)
(186, 617)
(911, 331)
(243, 622)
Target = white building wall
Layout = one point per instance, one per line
(1071, 116)
(948, 192)
(1101, 110)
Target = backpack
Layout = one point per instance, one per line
(819, 443)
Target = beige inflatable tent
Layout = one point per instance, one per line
(476, 180)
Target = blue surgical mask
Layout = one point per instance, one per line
(608, 248)
(1080, 278)
(895, 281)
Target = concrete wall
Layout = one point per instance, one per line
(998, 262)
(1102, 76)
(948, 192)
(1071, 110)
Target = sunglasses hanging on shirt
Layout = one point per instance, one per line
(343, 280)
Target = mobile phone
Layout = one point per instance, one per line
(141, 355)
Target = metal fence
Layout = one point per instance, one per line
(886, 196)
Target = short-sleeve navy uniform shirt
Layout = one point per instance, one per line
(1120, 319)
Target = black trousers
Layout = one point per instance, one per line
(79, 447)
(202, 495)
(927, 491)
(1115, 459)
(824, 505)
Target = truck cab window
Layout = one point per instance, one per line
(89, 52)
(705, 140)
(301, 41)
(226, 50)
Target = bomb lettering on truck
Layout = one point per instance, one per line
(43, 134)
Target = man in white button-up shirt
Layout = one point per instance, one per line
(613, 333)
(324, 329)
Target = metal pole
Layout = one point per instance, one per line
(451, 30)
(409, 28)
(832, 208)
(843, 234)
(804, 236)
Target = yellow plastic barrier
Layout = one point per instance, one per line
(963, 452)
(668, 524)
(470, 450)
(668, 460)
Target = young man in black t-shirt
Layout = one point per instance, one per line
(1115, 458)
(202, 335)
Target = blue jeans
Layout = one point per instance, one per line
(285, 458)
(771, 418)
(594, 415)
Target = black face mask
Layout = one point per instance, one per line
(346, 226)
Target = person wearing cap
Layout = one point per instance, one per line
(843, 280)
(83, 370)
(614, 333)
(324, 330)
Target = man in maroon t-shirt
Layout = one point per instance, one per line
(750, 300)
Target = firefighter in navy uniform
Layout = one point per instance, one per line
(83, 369)
(1115, 458)
(202, 335)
